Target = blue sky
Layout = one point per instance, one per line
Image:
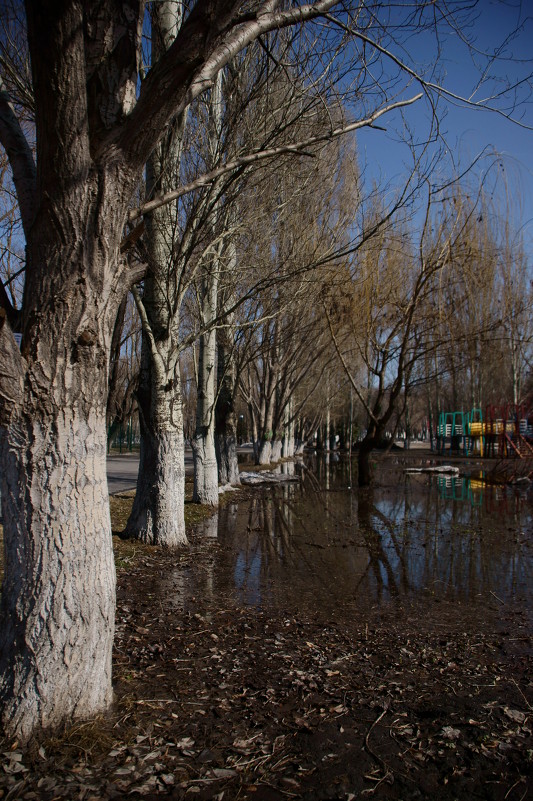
(468, 131)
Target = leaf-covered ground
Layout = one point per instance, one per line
(218, 701)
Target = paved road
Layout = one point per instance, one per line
(122, 471)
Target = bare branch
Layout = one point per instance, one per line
(430, 86)
(20, 159)
(208, 39)
(159, 365)
(253, 158)
(347, 369)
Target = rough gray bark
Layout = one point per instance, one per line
(58, 599)
(58, 596)
(92, 145)
(205, 489)
(157, 515)
(275, 452)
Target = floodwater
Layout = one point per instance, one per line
(326, 549)
(277, 643)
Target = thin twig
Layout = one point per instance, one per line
(388, 773)
(522, 694)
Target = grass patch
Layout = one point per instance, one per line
(126, 551)
(120, 508)
(88, 740)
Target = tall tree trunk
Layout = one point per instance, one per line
(255, 431)
(157, 515)
(264, 455)
(364, 466)
(299, 437)
(203, 445)
(332, 436)
(115, 408)
(58, 596)
(288, 432)
(319, 438)
(204, 454)
(264, 450)
(327, 426)
(275, 451)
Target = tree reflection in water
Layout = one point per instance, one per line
(319, 548)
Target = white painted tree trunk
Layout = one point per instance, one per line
(291, 445)
(265, 452)
(288, 432)
(275, 453)
(58, 596)
(58, 599)
(267, 422)
(157, 516)
(205, 467)
(203, 445)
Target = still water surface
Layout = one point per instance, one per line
(323, 547)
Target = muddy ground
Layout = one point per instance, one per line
(417, 698)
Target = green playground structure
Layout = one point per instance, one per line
(504, 431)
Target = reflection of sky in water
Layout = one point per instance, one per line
(303, 547)
(469, 541)
(247, 579)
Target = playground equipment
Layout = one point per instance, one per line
(453, 430)
(478, 493)
(461, 488)
(505, 432)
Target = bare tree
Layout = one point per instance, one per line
(96, 124)
(94, 136)
(483, 306)
(157, 516)
(384, 319)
